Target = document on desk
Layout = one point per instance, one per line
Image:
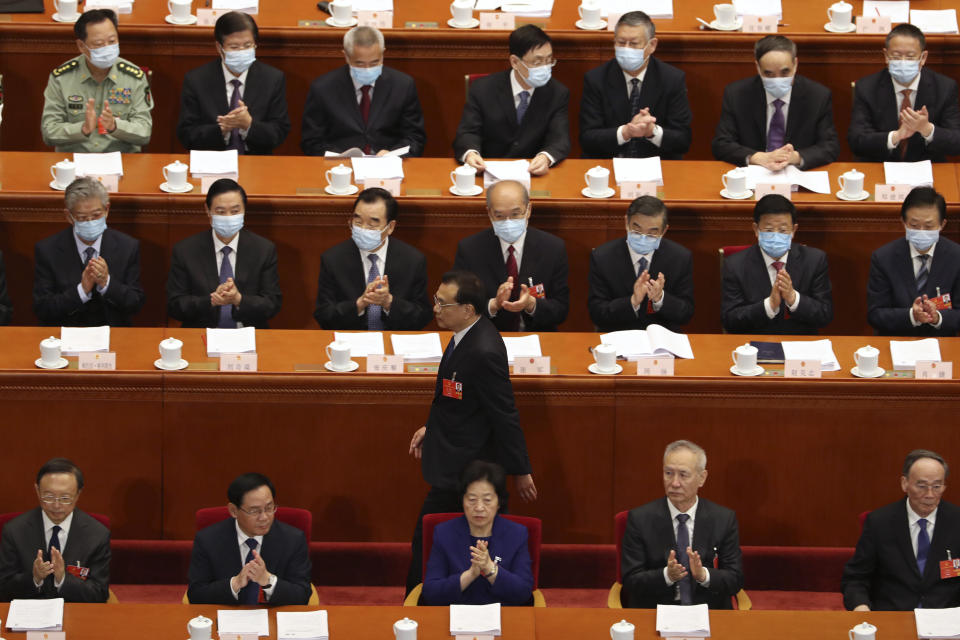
(816, 181)
(938, 623)
(120, 5)
(634, 344)
(99, 164)
(487, 5)
(529, 8)
(417, 347)
(372, 5)
(898, 10)
(302, 625)
(479, 620)
(243, 621)
(221, 341)
(821, 350)
(35, 615)
(362, 343)
(934, 21)
(75, 340)
(522, 347)
(246, 6)
(214, 163)
(759, 8)
(915, 174)
(638, 170)
(691, 621)
(498, 170)
(385, 168)
(905, 353)
(356, 152)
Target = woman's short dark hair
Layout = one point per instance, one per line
(489, 471)
(94, 16)
(235, 22)
(246, 483)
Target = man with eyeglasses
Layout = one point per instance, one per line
(373, 281)
(250, 557)
(519, 113)
(56, 550)
(644, 278)
(905, 112)
(87, 275)
(896, 566)
(236, 101)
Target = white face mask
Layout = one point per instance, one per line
(104, 57)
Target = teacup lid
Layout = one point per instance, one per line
(598, 170)
(50, 342)
(341, 168)
(406, 623)
(841, 6)
(65, 163)
(746, 348)
(171, 342)
(177, 164)
(854, 173)
(201, 621)
(465, 168)
(868, 349)
(865, 627)
(623, 625)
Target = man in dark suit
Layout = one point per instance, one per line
(6, 307)
(671, 544)
(896, 566)
(635, 106)
(521, 113)
(905, 113)
(776, 286)
(644, 278)
(777, 118)
(87, 275)
(235, 101)
(908, 287)
(227, 278)
(373, 281)
(523, 269)
(363, 104)
(250, 557)
(56, 550)
(473, 415)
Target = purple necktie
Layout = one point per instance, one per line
(235, 141)
(777, 133)
(226, 311)
(374, 311)
(923, 545)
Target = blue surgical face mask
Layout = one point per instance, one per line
(365, 75)
(538, 76)
(628, 58)
(90, 230)
(922, 239)
(642, 243)
(104, 57)
(904, 71)
(366, 239)
(240, 61)
(774, 243)
(777, 87)
(227, 226)
(510, 230)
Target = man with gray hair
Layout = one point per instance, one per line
(896, 566)
(635, 106)
(87, 275)
(363, 104)
(681, 549)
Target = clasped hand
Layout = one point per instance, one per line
(227, 293)
(377, 292)
(95, 273)
(42, 568)
(641, 125)
(480, 561)
(238, 118)
(782, 290)
(925, 311)
(92, 121)
(912, 121)
(645, 286)
(524, 302)
(777, 159)
(676, 571)
(254, 571)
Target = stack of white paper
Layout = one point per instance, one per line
(221, 341)
(385, 168)
(916, 174)
(938, 623)
(35, 615)
(821, 350)
(816, 181)
(244, 621)
(122, 6)
(905, 353)
(99, 164)
(247, 6)
(529, 8)
(475, 620)
(362, 343)
(634, 344)
(372, 5)
(522, 347)
(939, 21)
(638, 170)
(487, 5)
(214, 163)
(692, 621)
(307, 625)
(898, 10)
(498, 170)
(74, 340)
(417, 347)
(356, 152)
(759, 8)
(656, 9)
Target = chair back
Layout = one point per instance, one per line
(862, 518)
(300, 518)
(468, 80)
(7, 517)
(620, 528)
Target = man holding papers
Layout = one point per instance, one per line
(635, 106)
(896, 566)
(671, 544)
(56, 550)
(906, 112)
(520, 113)
(226, 278)
(87, 275)
(473, 415)
(373, 281)
(523, 270)
(915, 279)
(776, 118)
(776, 286)
(644, 278)
(250, 557)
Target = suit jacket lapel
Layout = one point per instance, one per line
(650, 87)
(625, 269)
(496, 263)
(664, 529)
(904, 541)
(887, 103)
(904, 264)
(346, 86)
(251, 94)
(702, 527)
(210, 262)
(36, 530)
(760, 112)
(381, 97)
(529, 259)
(617, 90)
(242, 267)
(505, 97)
(795, 265)
(356, 269)
(215, 79)
(797, 108)
(757, 274)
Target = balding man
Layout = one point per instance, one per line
(523, 269)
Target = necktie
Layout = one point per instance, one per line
(235, 142)
(923, 545)
(777, 133)
(904, 105)
(374, 311)
(777, 265)
(632, 146)
(683, 541)
(88, 255)
(522, 107)
(641, 265)
(922, 274)
(54, 539)
(365, 109)
(513, 322)
(226, 311)
(250, 594)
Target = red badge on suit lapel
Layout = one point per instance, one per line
(949, 568)
(77, 571)
(452, 388)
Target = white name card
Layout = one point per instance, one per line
(390, 184)
(612, 20)
(801, 369)
(633, 190)
(206, 181)
(238, 362)
(531, 366)
(931, 370)
(659, 366)
(782, 189)
(111, 183)
(97, 361)
(208, 17)
(759, 24)
(384, 364)
(499, 21)
(873, 24)
(891, 192)
(378, 19)
(46, 635)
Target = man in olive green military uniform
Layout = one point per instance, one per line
(97, 102)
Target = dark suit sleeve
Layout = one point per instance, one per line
(641, 574)
(556, 140)
(182, 304)
(946, 132)
(826, 149)
(881, 312)
(726, 139)
(52, 305)
(96, 588)
(192, 131)
(677, 306)
(727, 578)
(496, 397)
(605, 309)
(859, 571)
(124, 292)
(470, 130)
(677, 133)
(412, 313)
(737, 313)
(203, 585)
(816, 304)
(270, 131)
(865, 140)
(441, 582)
(16, 578)
(597, 140)
(258, 308)
(293, 580)
(411, 121)
(552, 309)
(514, 583)
(331, 310)
(6, 307)
(314, 137)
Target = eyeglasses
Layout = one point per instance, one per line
(240, 47)
(540, 62)
(936, 488)
(256, 512)
(63, 500)
(437, 303)
(901, 56)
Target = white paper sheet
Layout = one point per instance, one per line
(523, 347)
(372, 5)
(905, 353)
(362, 343)
(487, 5)
(939, 21)
(638, 170)
(213, 163)
(816, 181)
(898, 10)
(466, 619)
(302, 625)
(243, 621)
(938, 623)
(417, 347)
(633, 344)
(529, 8)
(355, 152)
(498, 170)
(221, 341)
(821, 350)
(120, 7)
(35, 615)
(656, 9)
(691, 621)
(759, 8)
(385, 168)
(916, 174)
(99, 164)
(246, 6)
(74, 340)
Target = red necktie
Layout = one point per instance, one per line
(512, 272)
(904, 105)
(365, 109)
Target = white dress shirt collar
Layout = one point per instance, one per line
(517, 248)
(913, 516)
(381, 254)
(516, 88)
(914, 254)
(83, 246)
(228, 78)
(48, 529)
(458, 336)
(219, 244)
(674, 512)
(242, 541)
(635, 258)
(629, 78)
